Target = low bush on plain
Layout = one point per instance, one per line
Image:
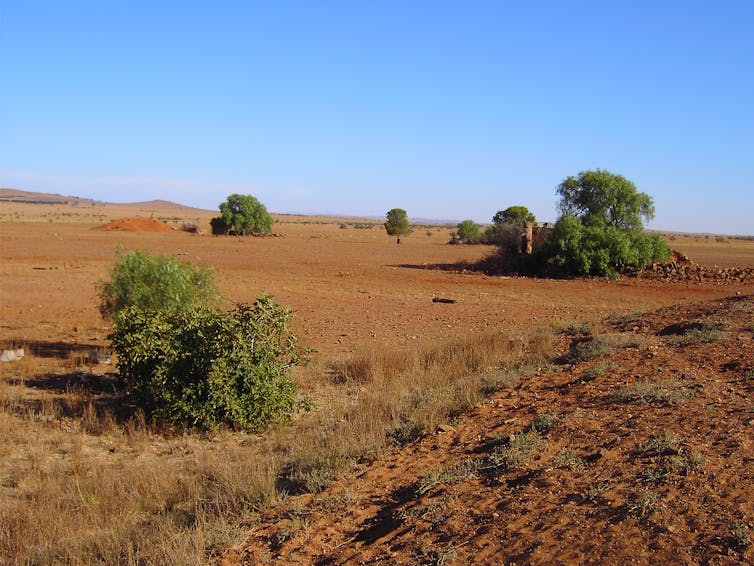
(705, 333)
(208, 367)
(187, 361)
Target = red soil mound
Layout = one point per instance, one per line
(136, 225)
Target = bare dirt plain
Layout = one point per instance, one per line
(643, 457)
(588, 494)
(349, 288)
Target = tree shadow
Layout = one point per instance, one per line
(386, 520)
(59, 350)
(74, 395)
(459, 267)
(78, 381)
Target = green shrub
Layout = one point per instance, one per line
(205, 367)
(686, 333)
(468, 232)
(155, 282)
(576, 248)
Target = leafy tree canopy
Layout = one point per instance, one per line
(242, 214)
(601, 198)
(513, 215)
(396, 223)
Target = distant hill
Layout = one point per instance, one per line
(160, 205)
(30, 197)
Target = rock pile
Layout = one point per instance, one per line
(682, 270)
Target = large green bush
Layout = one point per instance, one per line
(156, 282)
(601, 230)
(205, 367)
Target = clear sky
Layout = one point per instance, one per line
(450, 109)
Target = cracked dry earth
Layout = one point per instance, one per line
(635, 446)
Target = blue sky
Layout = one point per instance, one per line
(449, 109)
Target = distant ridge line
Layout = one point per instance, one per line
(31, 197)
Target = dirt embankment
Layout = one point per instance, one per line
(136, 225)
(636, 446)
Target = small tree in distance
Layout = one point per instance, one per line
(468, 232)
(396, 223)
(508, 226)
(242, 214)
(513, 215)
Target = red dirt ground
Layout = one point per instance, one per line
(594, 492)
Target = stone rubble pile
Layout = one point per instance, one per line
(682, 270)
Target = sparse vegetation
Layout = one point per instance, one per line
(668, 456)
(741, 535)
(514, 451)
(665, 391)
(601, 345)
(571, 328)
(594, 371)
(448, 475)
(696, 333)
(642, 506)
(85, 477)
(436, 512)
(544, 421)
(567, 458)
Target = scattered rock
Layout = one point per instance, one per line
(682, 270)
(11, 355)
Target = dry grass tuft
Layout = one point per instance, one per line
(82, 482)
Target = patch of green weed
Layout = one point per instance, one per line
(666, 391)
(448, 475)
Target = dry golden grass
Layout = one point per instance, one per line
(82, 485)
